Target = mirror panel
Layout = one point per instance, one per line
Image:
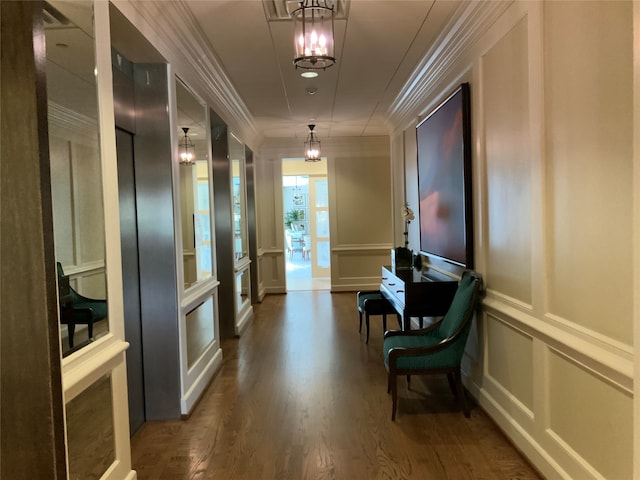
(200, 331)
(195, 187)
(76, 179)
(236, 156)
(243, 289)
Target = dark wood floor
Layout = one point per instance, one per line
(300, 396)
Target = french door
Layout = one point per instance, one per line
(319, 226)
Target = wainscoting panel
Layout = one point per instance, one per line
(358, 268)
(583, 406)
(509, 362)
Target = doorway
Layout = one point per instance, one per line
(306, 225)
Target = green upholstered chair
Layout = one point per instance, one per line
(76, 309)
(436, 349)
(372, 302)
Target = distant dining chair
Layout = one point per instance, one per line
(293, 245)
(306, 247)
(436, 349)
(76, 309)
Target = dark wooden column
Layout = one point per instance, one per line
(31, 406)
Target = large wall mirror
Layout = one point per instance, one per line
(76, 180)
(239, 198)
(195, 186)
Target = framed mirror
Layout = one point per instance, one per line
(195, 186)
(76, 173)
(239, 198)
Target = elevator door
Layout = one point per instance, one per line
(130, 278)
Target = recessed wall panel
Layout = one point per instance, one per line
(508, 163)
(359, 265)
(363, 192)
(200, 330)
(591, 416)
(90, 431)
(510, 360)
(589, 92)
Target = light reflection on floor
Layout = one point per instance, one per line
(299, 276)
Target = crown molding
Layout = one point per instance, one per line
(194, 59)
(456, 42)
(71, 125)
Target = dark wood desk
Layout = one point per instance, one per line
(414, 294)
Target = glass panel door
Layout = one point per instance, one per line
(319, 226)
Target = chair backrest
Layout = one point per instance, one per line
(460, 313)
(287, 237)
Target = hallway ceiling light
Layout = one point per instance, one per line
(312, 147)
(187, 149)
(313, 35)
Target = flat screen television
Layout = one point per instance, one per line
(444, 181)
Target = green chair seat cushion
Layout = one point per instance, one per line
(446, 358)
(362, 297)
(99, 309)
(374, 303)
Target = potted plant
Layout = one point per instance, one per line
(293, 215)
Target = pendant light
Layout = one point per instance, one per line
(312, 147)
(187, 149)
(313, 35)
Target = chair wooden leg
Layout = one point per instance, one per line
(366, 319)
(71, 328)
(384, 323)
(360, 324)
(461, 398)
(394, 395)
(452, 384)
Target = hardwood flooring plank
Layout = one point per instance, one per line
(300, 396)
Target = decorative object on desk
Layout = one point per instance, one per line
(407, 215)
(417, 261)
(401, 258)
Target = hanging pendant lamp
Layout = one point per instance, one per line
(312, 147)
(187, 149)
(313, 35)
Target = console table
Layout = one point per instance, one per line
(415, 294)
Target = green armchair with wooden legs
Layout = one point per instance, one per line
(436, 349)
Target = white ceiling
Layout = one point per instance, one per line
(378, 44)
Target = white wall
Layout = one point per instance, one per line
(552, 116)
(360, 210)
